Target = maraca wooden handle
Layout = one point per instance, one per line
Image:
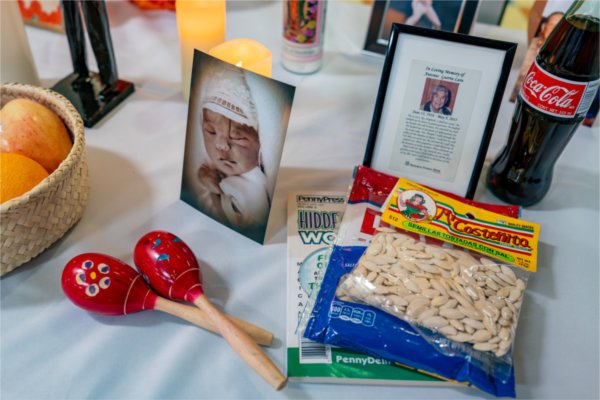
(199, 317)
(243, 345)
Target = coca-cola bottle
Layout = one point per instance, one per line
(554, 98)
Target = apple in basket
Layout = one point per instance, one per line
(34, 131)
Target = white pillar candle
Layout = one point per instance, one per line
(16, 60)
(246, 53)
(201, 25)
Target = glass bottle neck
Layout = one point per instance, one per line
(584, 7)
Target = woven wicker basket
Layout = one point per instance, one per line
(30, 223)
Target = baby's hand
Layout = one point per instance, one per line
(210, 179)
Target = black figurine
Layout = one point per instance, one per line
(93, 94)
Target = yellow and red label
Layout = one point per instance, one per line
(418, 209)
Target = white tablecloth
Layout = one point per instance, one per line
(50, 349)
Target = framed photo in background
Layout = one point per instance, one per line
(436, 107)
(45, 14)
(446, 15)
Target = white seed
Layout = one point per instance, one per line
(489, 263)
(429, 268)
(423, 256)
(506, 313)
(374, 249)
(461, 299)
(472, 292)
(443, 263)
(461, 337)
(490, 325)
(506, 270)
(412, 267)
(450, 304)
(451, 313)
(496, 278)
(422, 282)
(412, 286)
(448, 330)
(417, 302)
(371, 266)
(435, 322)
(439, 301)
(495, 339)
(500, 352)
(506, 278)
(491, 311)
(372, 275)
(414, 312)
(470, 312)
(497, 302)
(459, 326)
(491, 284)
(429, 312)
(511, 306)
(438, 286)
(482, 335)
(515, 294)
(442, 283)
(505, 344)
(382, 259)
(504, 334)
(410, 297)
(473, 323)
(397, 300)
(504, 292)
(430, 293)
(485, 346)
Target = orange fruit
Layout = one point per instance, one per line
(18, 175)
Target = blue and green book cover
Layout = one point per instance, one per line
(312, 221)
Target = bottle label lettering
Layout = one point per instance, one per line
(556, 96)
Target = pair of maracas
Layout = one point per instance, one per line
(103, 284)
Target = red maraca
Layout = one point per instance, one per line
(106, 285)
(172, 270)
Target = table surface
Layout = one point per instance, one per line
(51, 349)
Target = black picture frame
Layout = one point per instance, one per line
(377, 39)
(445, 149)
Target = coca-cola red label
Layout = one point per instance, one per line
(556, 96)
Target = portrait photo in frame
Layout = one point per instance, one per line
(446, 15)
(237, 123)
(436, 107)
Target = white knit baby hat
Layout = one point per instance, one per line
(227, 93)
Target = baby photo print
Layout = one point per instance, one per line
(237, 121)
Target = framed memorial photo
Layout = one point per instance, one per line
(236, 127)
(436, 107)
(446, 15)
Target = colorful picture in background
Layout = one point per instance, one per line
(434, 14)
(516, 14)
(42, 13)
(302, 21)
(155, 4)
